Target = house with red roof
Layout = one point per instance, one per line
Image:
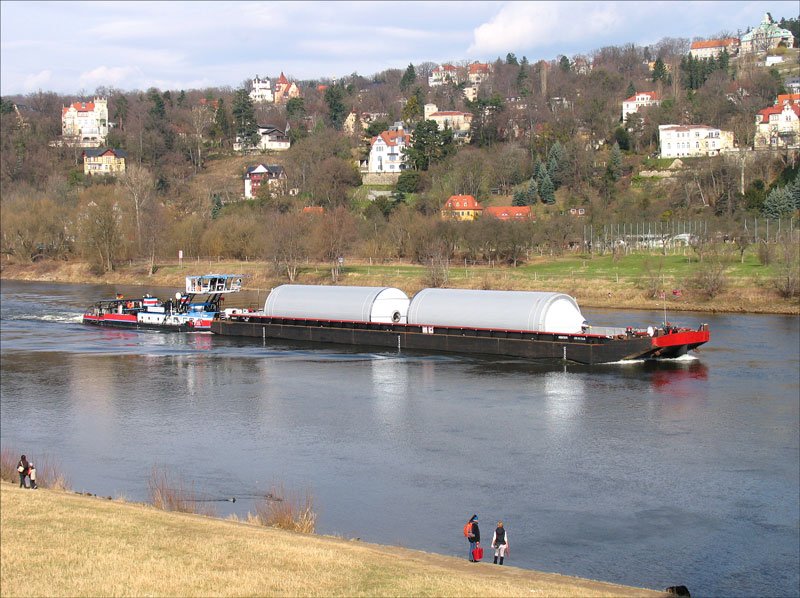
(478, 72)
(461, 207)
(386, 150)
(459, 122)
(285, 90)
(515, 213)
(779, 125)
(443, 74)
(107, 160)
(712, 48)
(85, 124)
(641, 99)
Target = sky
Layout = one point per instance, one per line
(73, 47)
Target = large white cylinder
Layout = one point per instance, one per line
(352, 304)
(506, 310)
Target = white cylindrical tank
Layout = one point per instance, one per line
(355, 304)
(506, 310)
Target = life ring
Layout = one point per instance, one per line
(129, 305)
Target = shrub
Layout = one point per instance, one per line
(290, 511)
(48, 471)
(710, 278)
(169, 492)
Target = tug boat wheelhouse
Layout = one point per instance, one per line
(193, 310)
(525, 324)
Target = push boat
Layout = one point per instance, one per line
(522, 324)
(192, 310)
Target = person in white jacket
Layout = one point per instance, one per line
(500, 543)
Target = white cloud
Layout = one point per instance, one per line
(108, 77)
(521, 25)
(35, 82)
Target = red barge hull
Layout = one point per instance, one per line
(579, 348)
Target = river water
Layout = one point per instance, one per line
(643, 474)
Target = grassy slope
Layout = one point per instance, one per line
(61, 544)
(596, 282)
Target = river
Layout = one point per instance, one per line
(642, 474)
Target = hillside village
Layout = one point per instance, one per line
(418, 164)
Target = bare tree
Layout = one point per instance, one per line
(202, 117)
(139, 185)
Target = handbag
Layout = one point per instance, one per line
(477, 552)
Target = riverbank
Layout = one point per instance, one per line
(58, 543)
(633, 283)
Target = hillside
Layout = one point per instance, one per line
(60, 544)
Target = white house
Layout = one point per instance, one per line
(270, 139)
(459, 122)
(85, 124)
(262, 91)
(765, 36)
(273, 175)
(386, 153)
(679, 141)
(779, 125)
(443, 74)
(639, 100)
(711, 48)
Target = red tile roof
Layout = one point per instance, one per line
(787, 98)
(80, 107)
(445, 67)
(313, 210)
(509, 212)
(714, 43)
(451, 113)
(390, 137)
(767, 112)
(651, 94)
(478, 67)
(462, 202)
(282, 79)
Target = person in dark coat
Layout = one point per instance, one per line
(474, 537)
(22, 467)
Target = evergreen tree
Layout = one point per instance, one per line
(614, 168)
(555, 167)
(659, 71)
(533, 192)
(216, 206)
(631, 89)
(181, 99)
(429, 145)
(295, 109)
(779, 203)
(539, 171)
(795, 192)
(409, 77)
(244, 117)
(547, 191)
(564, 64)
(511, 59)
(222, 122)
(337, 112)
(520, 198)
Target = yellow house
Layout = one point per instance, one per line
(104, 161)
(461, 207)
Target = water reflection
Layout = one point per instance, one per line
(390, 383)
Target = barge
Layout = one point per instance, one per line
(523, 324)
(191, 311)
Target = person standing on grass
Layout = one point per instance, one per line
(22, 467)
(32, 475)
(500, 543)
(474, 536)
